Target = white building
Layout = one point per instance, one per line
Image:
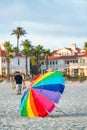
(54, 62)
(68, 51)
(16, 63)
(80, 68)
(62, 58)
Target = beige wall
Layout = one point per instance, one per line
(64, 51)
(82, 69)
(0, 67)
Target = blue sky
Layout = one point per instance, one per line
(52, 23)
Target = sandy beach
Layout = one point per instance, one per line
(70, 113)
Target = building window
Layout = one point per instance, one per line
(75, 72)
(3, 71)
(3, 60)
(80, 60)
(67, 53)
(53, 62)
(18, 61)
(67, 62)
(83, 60)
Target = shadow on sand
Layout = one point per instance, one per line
(67, 115)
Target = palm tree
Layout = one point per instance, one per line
(8, 50)
(19, 31)
(27, 51)
(85, 46)
(38, 52)
(15, 49)
(46, 54)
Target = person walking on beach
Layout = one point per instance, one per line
(18, 79)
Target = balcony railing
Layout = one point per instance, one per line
(78, 65)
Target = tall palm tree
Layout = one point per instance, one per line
(8, 50)
(27, 51)
(19, 31)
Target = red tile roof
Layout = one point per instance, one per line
(54, 57)
(18, 54)
(85, 55)
(2, 53)
(54, 52)
(74, 57)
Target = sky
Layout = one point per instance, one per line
(54, 24)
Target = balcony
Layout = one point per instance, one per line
(78, 65)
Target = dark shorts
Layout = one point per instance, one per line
(18, 86)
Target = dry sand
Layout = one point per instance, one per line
(70, 114)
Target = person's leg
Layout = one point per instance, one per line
(18, 89)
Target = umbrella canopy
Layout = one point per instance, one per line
(40, 97)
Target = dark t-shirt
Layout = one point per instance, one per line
(18, 79)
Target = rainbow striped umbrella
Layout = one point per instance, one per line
(40, 97)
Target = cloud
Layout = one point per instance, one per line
(52, 29)
(52, 20)
(64, 12)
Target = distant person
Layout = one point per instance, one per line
(18, 79)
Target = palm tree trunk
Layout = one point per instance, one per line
(8, 69)
(26, 65)
(38, 63)
(17, 44)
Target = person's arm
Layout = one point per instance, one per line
(22, 79)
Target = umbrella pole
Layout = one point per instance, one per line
(61, 111)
